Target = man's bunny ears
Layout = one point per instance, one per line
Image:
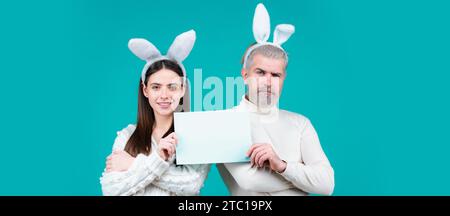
(261, 31)
(178, 51)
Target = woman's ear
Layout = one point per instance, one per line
(144, 90)
(182, 93)
(183, 90)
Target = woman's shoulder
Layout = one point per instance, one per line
(128, 130)
(123, 136)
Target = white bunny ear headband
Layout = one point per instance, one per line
(178, 51)
(261, 31)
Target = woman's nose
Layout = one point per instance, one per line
(164, 93)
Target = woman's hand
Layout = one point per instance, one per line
(167, 146)
(119, 161)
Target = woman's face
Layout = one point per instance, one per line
(164, 90)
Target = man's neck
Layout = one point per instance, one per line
(258, 106)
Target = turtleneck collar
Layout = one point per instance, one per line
(253, 108)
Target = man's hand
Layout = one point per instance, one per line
(119, 161)
(262, 154)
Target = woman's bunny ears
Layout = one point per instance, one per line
(178, 51)
(261, 31)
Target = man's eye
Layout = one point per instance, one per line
(260, 72)
(276, 75)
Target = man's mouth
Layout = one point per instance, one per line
(267, 92)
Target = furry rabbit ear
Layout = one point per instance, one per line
(282, 33)
(182, 46)
(143, 49)
(261, 24)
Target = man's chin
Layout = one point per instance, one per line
(267, 101)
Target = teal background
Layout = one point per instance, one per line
(373, 77)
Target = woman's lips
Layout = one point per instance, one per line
(164, 105)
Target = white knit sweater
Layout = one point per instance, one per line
(151, 175)
(295, 141)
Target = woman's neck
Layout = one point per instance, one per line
(163, 123)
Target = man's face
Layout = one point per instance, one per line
(265, 80)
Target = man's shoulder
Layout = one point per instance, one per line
(300, 118)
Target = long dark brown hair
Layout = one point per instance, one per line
(140, 140)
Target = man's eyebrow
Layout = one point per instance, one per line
(155, 83)
(261, 70)
(277, 73)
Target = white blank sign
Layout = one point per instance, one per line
(212, 137)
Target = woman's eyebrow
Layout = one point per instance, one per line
(172, 83)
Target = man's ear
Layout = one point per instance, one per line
(244, 75)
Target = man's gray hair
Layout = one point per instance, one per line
(268, 51)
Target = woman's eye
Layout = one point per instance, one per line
(155, 87)
(173, 87)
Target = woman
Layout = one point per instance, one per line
(142, 162)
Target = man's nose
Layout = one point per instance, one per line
(268, 79)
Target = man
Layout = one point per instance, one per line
(286, 157)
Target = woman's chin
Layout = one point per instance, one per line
(165, 111)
